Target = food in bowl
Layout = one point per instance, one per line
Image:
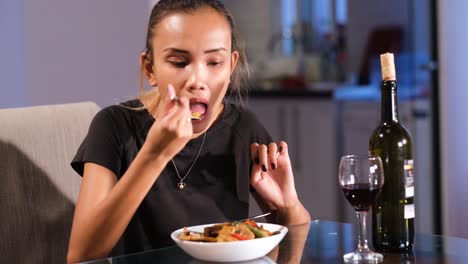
(232, 251)
(227, 232)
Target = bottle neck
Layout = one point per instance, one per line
(389, 102)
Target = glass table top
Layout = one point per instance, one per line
(319, 242)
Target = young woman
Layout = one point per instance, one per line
(149, 167)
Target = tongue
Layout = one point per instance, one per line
(198, 107)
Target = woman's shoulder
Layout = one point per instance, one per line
(121, 110)
(122, 115)
(244, 122)
(128, 107)
(239, 115)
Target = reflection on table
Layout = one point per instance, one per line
(319, 242)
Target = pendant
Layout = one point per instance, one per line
(181, 185)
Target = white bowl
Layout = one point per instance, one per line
(231, 251)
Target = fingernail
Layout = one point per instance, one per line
(264, 169)
(273, 165)
(257, 161)
(280, 149)
(171, 92)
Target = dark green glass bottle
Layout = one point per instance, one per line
(393, 212)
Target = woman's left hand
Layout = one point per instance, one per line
(272, 175)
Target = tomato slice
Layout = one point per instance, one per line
(239, 236)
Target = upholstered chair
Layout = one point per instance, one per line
(38, 188)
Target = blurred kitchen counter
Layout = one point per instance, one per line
(341, 92)
(321, 94)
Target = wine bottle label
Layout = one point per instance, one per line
(409, 211)
(409, 192)
(409, 178)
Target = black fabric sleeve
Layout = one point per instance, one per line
(250, 130)
(260, 135)
(101, 145)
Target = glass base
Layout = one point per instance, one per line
(367, 256)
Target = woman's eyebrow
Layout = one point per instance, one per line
(176, 50)
(215, 50)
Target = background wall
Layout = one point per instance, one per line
(453, 60)
(67, 51)
(12, 57)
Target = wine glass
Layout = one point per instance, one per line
(361, 178)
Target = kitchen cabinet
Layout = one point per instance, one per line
(308, 126)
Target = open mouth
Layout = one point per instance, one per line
(199, 108)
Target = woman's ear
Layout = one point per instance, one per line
(234, 60)
(148, 69)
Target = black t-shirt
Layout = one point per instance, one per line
(217, 188)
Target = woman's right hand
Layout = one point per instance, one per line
(172, 128)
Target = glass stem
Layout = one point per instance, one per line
(362, 236)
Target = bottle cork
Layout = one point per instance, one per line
(388, 67)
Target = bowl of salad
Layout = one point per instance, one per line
(230, 241)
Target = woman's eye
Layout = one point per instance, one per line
(215, 63)
(179, 64)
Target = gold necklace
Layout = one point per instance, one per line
(181, 184)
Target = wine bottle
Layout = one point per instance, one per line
(393, 212)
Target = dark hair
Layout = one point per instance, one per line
(163, 8)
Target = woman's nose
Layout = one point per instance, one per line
(196, 80)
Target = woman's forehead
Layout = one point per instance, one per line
(204, 28)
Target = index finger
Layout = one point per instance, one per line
(273, 154)
(254, 149)
(171, 92)
(180, 110)
(167, 100)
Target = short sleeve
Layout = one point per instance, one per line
(250, 130)
(259, 135)
(255, 132)
(101, 145)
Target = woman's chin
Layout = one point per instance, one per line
(199, 126)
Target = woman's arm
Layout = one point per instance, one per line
(293, 215)
(288, 216)
(273, 180)
(105, 206)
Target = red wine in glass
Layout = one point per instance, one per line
(361, 196)
(361, 178)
